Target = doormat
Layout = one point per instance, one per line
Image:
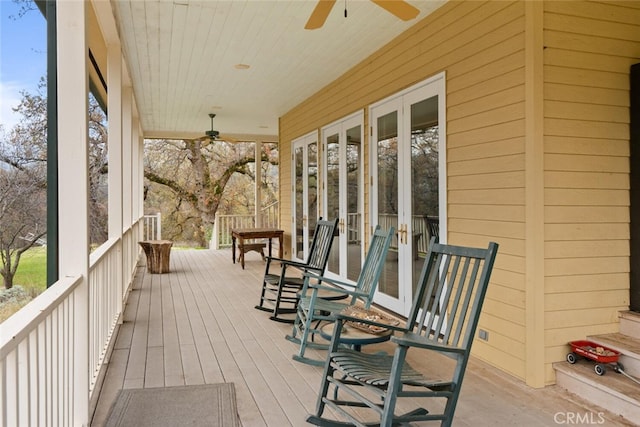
(212, 405)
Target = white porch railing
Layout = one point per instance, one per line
(152, 227)
(38, 347)
(221, 235)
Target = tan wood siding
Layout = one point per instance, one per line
(588, 52)
(588, 48)
(480, 45)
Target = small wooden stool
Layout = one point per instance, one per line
(246, 247)
(157, 252)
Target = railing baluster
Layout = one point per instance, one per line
(225, 223)
(37, 348)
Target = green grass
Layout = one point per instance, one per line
(31, 275)
(32, 270)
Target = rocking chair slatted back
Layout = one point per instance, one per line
(321, 245)
(433, 224)
(373, 265)
(313, 308)
(454, 282)
(280, 289)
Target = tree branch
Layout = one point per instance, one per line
(174, 185)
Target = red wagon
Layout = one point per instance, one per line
(600, 354)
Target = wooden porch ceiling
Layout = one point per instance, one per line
(247, 61)
(197, 325)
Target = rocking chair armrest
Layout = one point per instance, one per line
(308, 286)
(315, 287)
(411, 339)
(275, 258)
(323, 279)
(321, 284)
(288, 262)
(346, 318)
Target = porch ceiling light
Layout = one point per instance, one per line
(242, 66)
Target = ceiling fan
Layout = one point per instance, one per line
(399, 8)
(213, 135)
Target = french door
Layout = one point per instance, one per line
(343, 194)
(305, 200)
(408, 183)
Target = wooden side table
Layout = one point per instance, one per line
(240, 234)
(157, 252)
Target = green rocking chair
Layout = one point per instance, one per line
(280, 288)
(443, 319)
(319, 300)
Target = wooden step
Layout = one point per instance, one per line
(630, 323)
(629, 348)
(613, 391)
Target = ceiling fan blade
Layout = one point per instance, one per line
(399, 8)
(319, 14)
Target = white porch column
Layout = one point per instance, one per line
(114, 79)
(73, 176)
(258, 190)
(127, 142)
(139, 188)
(136, 140)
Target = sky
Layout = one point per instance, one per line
(23, 57)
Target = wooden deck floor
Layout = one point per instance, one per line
(198, 325)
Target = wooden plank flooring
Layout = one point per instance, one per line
(198, 325)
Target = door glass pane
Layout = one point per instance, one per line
(354, 217)
(424, 177)
(333, 195)
(312, 190)
(299, 198)
(387, 147)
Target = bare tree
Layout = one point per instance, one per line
(98, 174)
(198, 173)
(23, 163)
(22, 214)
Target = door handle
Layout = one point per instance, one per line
(402, 233)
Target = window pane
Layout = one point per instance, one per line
(387, 142)
(354, 216)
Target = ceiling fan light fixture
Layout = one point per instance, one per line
(212, 134)
(400, 8)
